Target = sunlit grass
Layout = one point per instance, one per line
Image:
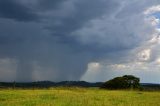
(77, 97)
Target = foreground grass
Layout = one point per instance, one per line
(77, 97)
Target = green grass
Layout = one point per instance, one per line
(78, 97)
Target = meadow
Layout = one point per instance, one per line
(75, 96)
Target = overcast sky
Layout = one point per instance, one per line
(91, 40)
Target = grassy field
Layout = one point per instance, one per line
(77, 97)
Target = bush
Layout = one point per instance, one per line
(124, 82)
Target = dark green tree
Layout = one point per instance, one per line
(124, 82)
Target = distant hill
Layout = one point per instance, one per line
(150, 86)
(47, 84)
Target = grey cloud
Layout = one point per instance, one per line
(49, 4)
(82, 13)
(68, 35)
(15, 10)
(32, 48)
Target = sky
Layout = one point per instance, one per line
(89, 40)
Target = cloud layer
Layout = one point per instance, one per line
(72, 39)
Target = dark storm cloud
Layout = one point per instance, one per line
(12, 9)
(56, 39)
(49, 4)
(73, 15)
(79, 14)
